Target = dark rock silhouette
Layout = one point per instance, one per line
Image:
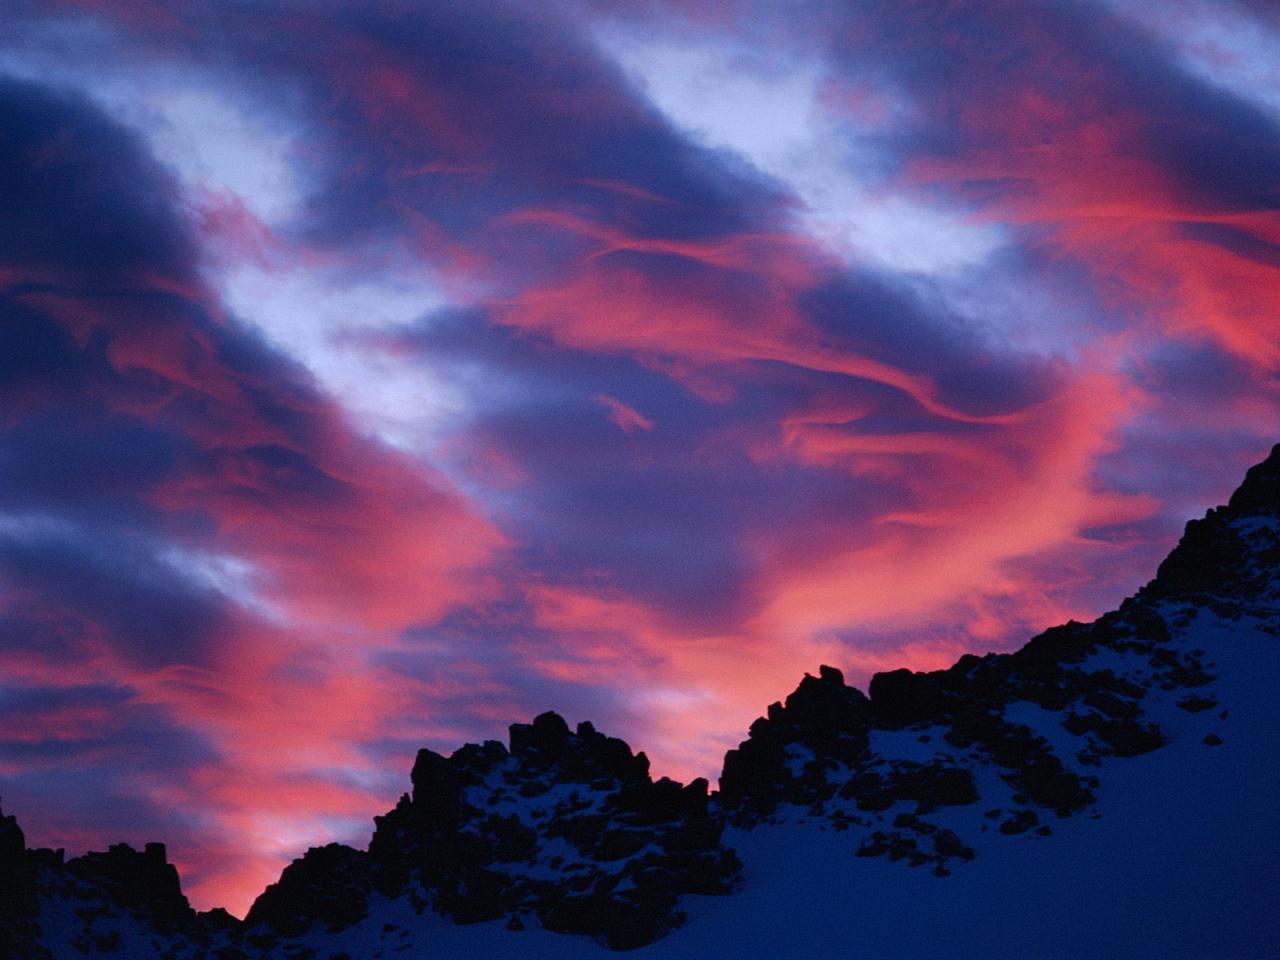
(820, 746)
(470, 842)
(19, 902)
(120, 882)
(822, 722)
(143, 882)
(329, 884)
(1213, 551)
(1260, 491)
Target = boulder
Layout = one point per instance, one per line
(327, 886)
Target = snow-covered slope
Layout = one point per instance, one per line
(1110, 790)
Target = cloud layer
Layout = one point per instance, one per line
(375, 375)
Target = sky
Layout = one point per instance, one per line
(375, 375)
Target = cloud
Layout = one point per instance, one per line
(520, 380)
(183, 513)
(625, 418)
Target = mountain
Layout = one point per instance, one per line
(1108, 790)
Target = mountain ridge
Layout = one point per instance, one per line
(565, 829)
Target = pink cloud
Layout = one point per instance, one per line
(626, 418)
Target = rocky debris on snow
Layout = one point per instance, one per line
(565, 827)
(830, 751)
(822, 726)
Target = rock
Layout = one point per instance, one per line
(663, 801)
(1121, 738)
(1260, 491)
(930, 785)
(937, 785)
(621, 844)
(1067, 643)
(510, 840)
(1209, 553)
(619, 822)
(1111, 705)
(948, 844)
(901, 698)
(547, 736)
(143, 881)
(830, 675)
(1045, 782)
(877, 845)
(437, 792)
(1020, 822)
(1128, 738)
(19, 902)
(822, 717)
(328, 885)
(1197, 704)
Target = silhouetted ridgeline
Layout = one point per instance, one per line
(565, 828)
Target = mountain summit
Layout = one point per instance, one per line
(1107, 790)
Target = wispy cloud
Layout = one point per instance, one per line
(375, 376)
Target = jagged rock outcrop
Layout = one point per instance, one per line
(565, 828)
(822, 725)
(1232, 545)
(19, 900)
(142, 882)
(329, 884)
(874, 761)
(879, 765)
(100, 896)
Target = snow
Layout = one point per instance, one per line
(908, 744)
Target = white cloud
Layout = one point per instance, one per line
(318, 317)
(214, 143)
(209, 133)
(234, 578)
(1220, 43)
(774, 115)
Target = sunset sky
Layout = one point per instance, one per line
(374, 375)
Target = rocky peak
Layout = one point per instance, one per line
(1228, 557)
(562, 827)
(1260, 492)
(328, 885)
(822, 718)
(142, 881)
(583, 756)
(18, 902)
(13, 842)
